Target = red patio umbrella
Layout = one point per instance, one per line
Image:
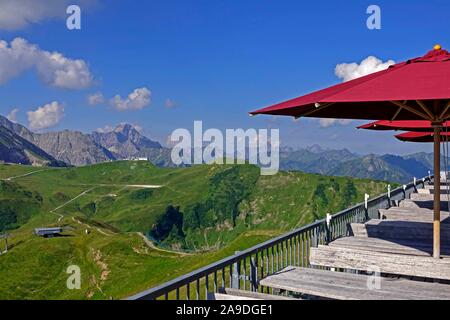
(403, 125)
(417, 89)
(413, 136)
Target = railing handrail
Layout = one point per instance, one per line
(226, 262)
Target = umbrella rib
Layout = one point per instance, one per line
(396, 113)
(445, 110)
(412, 110)
(317, 109)
(424, 107)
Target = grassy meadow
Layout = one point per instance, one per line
(194, 216)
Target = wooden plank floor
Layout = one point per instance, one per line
(406, 247)
(347, 286)
(365, 260)
(402, 230)
(400, 243)
(236, 294)
(419, 215)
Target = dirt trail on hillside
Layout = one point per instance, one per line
(152, 246)
(25, 175)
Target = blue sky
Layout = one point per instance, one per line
(216, 60)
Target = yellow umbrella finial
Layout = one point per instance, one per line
(437, 47)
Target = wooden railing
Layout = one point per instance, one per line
(243, 269)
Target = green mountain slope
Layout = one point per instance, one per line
(196, 215)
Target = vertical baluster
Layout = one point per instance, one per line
(215, 281)
(197, 289)
(231, 275)
(308, 246)
(188, 291)
(286, 256)
(302, 249)
(206, 286)
(261, 266)
(245, 273)
(290, 251)
(276, 256)
(295, 250)
(256, 269)
(177, 294)
(281, 255)
(223, 278)
(272, 262)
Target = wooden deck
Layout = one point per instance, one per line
(347, 286)
(399, 245)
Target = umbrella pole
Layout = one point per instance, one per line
(437, 194)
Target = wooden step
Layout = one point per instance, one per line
(407, 247)
(364, 260)
(444, 191)
(347, 286)
(236, 294)
(408, 215)
(404, 230)
(422, 204)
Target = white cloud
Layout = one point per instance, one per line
(325, 123)
(170, 104)
(105, 129)
(350, 71)
(12, 116)
(137, 100)
(95, 99)
(46, 116)
(19, 14)
(52, 67)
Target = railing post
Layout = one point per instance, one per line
(314, 238)
(366, 206)
(235, 275)
(415, 184)
(389, 195)
(404, 192)
(254, 274)
(328, 228)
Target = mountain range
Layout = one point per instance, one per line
(315, 159)
(78, 149)
(15, 149)
(20, 145)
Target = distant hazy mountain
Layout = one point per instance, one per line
(387, 167)
(313, 159)
(380, 168)
(124, 141)
(72, 147)
(15, 149)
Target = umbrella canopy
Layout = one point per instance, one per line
(413, 136)
(403, 125)
(417, 89)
